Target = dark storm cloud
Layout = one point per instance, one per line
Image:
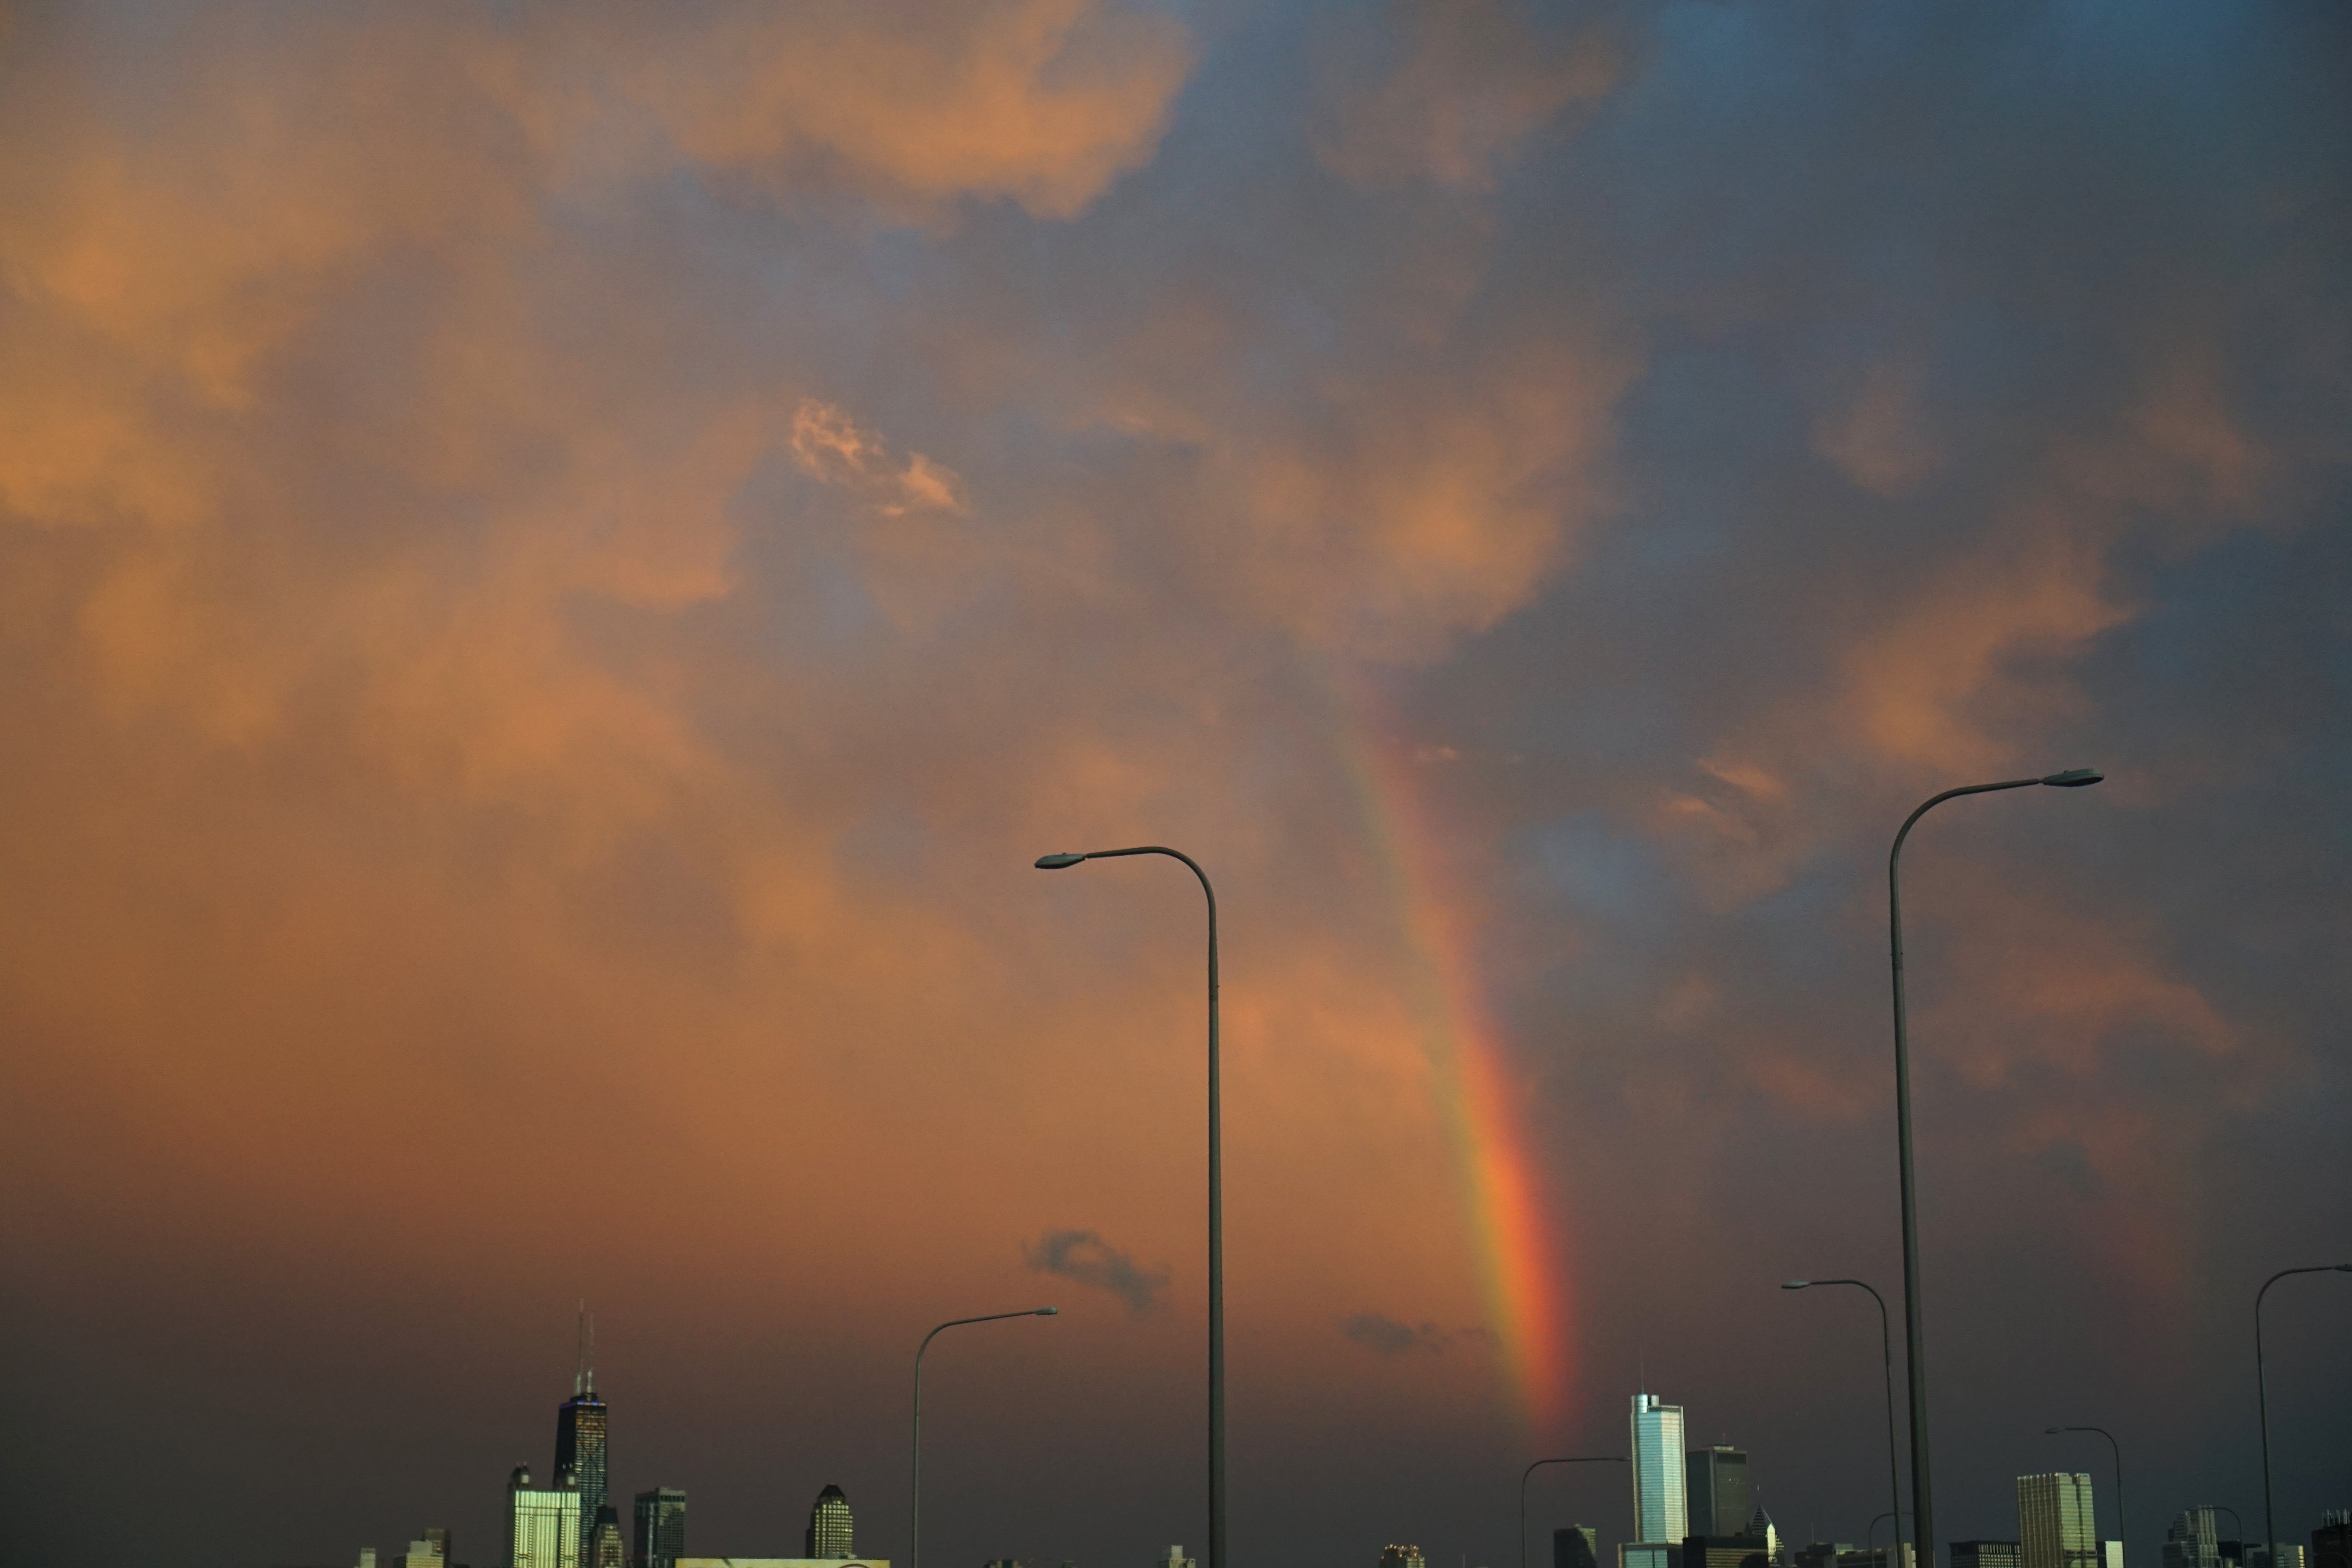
(1379, 1331)
(1084, 1256)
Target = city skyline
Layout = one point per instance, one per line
(561, 564)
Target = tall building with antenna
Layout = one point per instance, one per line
(581, 1434)
(1661, 1509)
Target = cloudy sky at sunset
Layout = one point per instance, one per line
(560, 560)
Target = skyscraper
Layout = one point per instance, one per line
(661, 1528)
(546, 1522)
(2190, 1540)
(580, 1433)
(605, 1549)
(1661, 1515)
(1986, 1555)
(2055, 1522)
(1402, 1557)
(1717, 1492)
(829, 1525)
(1578, 1546)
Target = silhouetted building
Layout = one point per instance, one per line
(829, 1528)
(1715, 1493)
(2190, 1540)
(1896, 1555)
(1578, 1546)
(582, 1445)
(2331, 1544)
(545, 1531)
(1825, 1553)
(2056, 1526)
(1739, 1550)
(661, 1528)
(1402, 1557)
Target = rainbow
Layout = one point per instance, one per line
(1520, 1250)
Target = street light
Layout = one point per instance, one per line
(1886, 1362)
(2123, 1526)
(1540, 1464)
(915, 1532)
(1914, 1337)
(2262, 1401)
(1216, 1199)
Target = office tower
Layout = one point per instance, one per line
(582, 1432)
(1822, 1553)
(828, 1526)
(1717, 1496)
(367, 1557)
(1660, 1516)
(661, 1528)
(2190, 1540)
(2331, 1544)
(2056, 1525)
(437, 1539)
(1578, 1546)
(1986, 1554)
(605, 1548)
(2111, 1554)
(1175, 1559)
(546, 1521)
(1760, 1523)
(1402, 1557)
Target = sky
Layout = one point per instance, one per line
(559, 562)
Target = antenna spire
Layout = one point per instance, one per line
(580, 1375)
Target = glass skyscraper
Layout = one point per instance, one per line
(661, 1528)
(581, 1446)
(1661, 1509)
(2056, 1526)
(1717, 1493)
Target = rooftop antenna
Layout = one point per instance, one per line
(584, 1379)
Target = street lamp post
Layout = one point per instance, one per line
(1914, 1347)
(2123, 1525)
(1886, 1364)
(1216, 1198)
(1540, 1464)
(915, 1529)
(2262, 1401)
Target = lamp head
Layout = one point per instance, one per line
(2343, 1269)
(1055, 862)
(1049, 1312)
(1796, 1284)
(2074, 778)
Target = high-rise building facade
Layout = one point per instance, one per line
(582, 1445)
(1176, 1559)
(2056, 1524)
(2331, 1544)
(1402, 1557)
(546, 1522)
(604, 1547)
(661, 1528)
(1717, 1491)
(1986, 1554)
(1578, 1546)
(1661, 1509)
(2191, 1540)
(829, 1532)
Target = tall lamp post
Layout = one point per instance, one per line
(1922, 1503)
(2262, 1401)
(2123, 1525)
(1886, 1364)
(1540, 1464)
(915, 1532)
(1216, 1199)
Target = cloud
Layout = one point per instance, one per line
(1383, 1334)
(1084, 1256)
